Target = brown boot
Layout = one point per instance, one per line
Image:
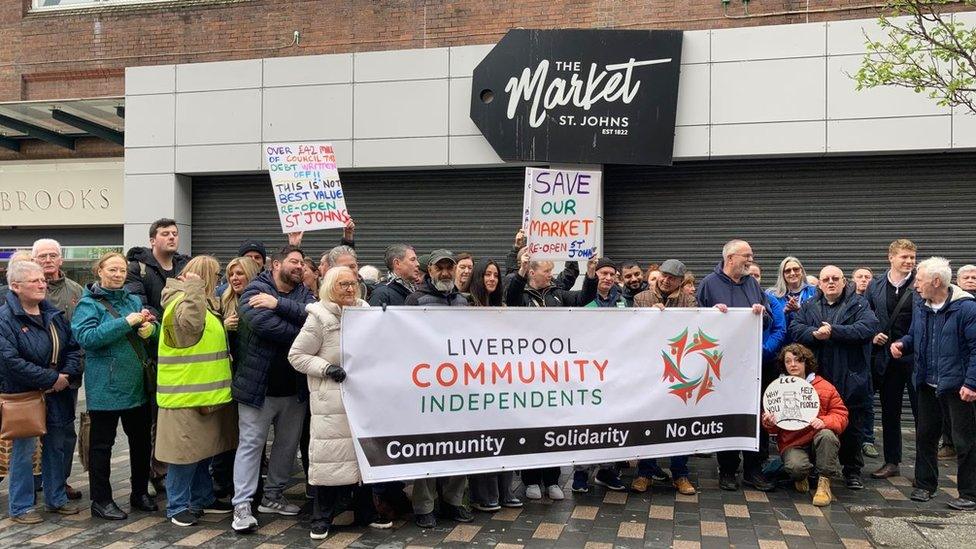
(823, 497)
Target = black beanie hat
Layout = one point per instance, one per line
(252, 246)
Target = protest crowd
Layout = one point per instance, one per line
(222, 375)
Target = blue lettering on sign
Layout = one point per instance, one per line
(576, 251)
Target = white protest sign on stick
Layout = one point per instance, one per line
(560, 213)
(307, 190)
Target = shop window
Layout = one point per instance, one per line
(78, 261)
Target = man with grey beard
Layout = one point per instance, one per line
(438, 290)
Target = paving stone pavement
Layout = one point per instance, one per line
(880, 515)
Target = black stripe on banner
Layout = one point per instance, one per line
(399, 450)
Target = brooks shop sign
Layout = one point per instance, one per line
(580, 96)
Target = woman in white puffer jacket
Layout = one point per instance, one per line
(333, 470)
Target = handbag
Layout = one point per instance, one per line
(148, 363)
(22, 415)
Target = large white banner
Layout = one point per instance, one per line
(447, 391)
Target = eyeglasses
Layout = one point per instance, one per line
(831, 279)
(52, 255)
(792, 270)
(35, 281)
(348, 285)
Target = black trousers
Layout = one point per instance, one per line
(305, 440)
(891, 389)
(326, 504)
(851, 440)
(104, 424)
(962, 415)
(547, 476)
(728, 462)
(222, 471)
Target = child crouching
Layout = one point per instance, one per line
(822, 436)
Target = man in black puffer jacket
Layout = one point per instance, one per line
(150, 267)
(401, 261)
(267, 389)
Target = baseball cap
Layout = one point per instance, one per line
(440, 255)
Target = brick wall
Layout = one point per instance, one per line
(83, 53)
(80, 53)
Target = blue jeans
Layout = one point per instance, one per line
(21, 488)
(189, 487)
(679, 467)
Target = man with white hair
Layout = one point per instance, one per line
(64, 294)
(943, 340)
(730, 285)
(966, 278)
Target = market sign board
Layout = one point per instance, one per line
(580, 96)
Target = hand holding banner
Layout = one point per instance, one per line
(308, 193)
(560, 213)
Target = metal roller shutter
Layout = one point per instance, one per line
(463, 210)
(843, 211)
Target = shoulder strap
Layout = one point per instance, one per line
(137, 345)
(898, 307)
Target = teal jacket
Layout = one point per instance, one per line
(113, 371)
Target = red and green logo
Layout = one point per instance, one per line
(685, 386)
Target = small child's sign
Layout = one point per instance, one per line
(792, 401)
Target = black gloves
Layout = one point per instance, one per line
(335, 373)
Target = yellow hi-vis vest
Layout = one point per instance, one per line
(194, 376)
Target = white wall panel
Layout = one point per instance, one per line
(210, 118)
(384, 66)
(691, 142)
(152, 79)
(889, 134)
(307, 112)
(695, 46)
(768, 42)
(844, 101)
(471, 150)
(149, 160)
(465, 58)
(221, 75)
(308, 70)
(150, 120)
(693, 95)
(768, 91)
(963, 128)
(769, 139)
(460, 106)
(244, 157)
(381, 153)
(401, 109)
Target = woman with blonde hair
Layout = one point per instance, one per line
(115, 331)
(791, 289)
(239, 273)
(333, 469)
(193, 392)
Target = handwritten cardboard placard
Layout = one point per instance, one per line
(793, 401)
(560, 213)
(305, 180)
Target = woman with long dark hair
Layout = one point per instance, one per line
(490, 491)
